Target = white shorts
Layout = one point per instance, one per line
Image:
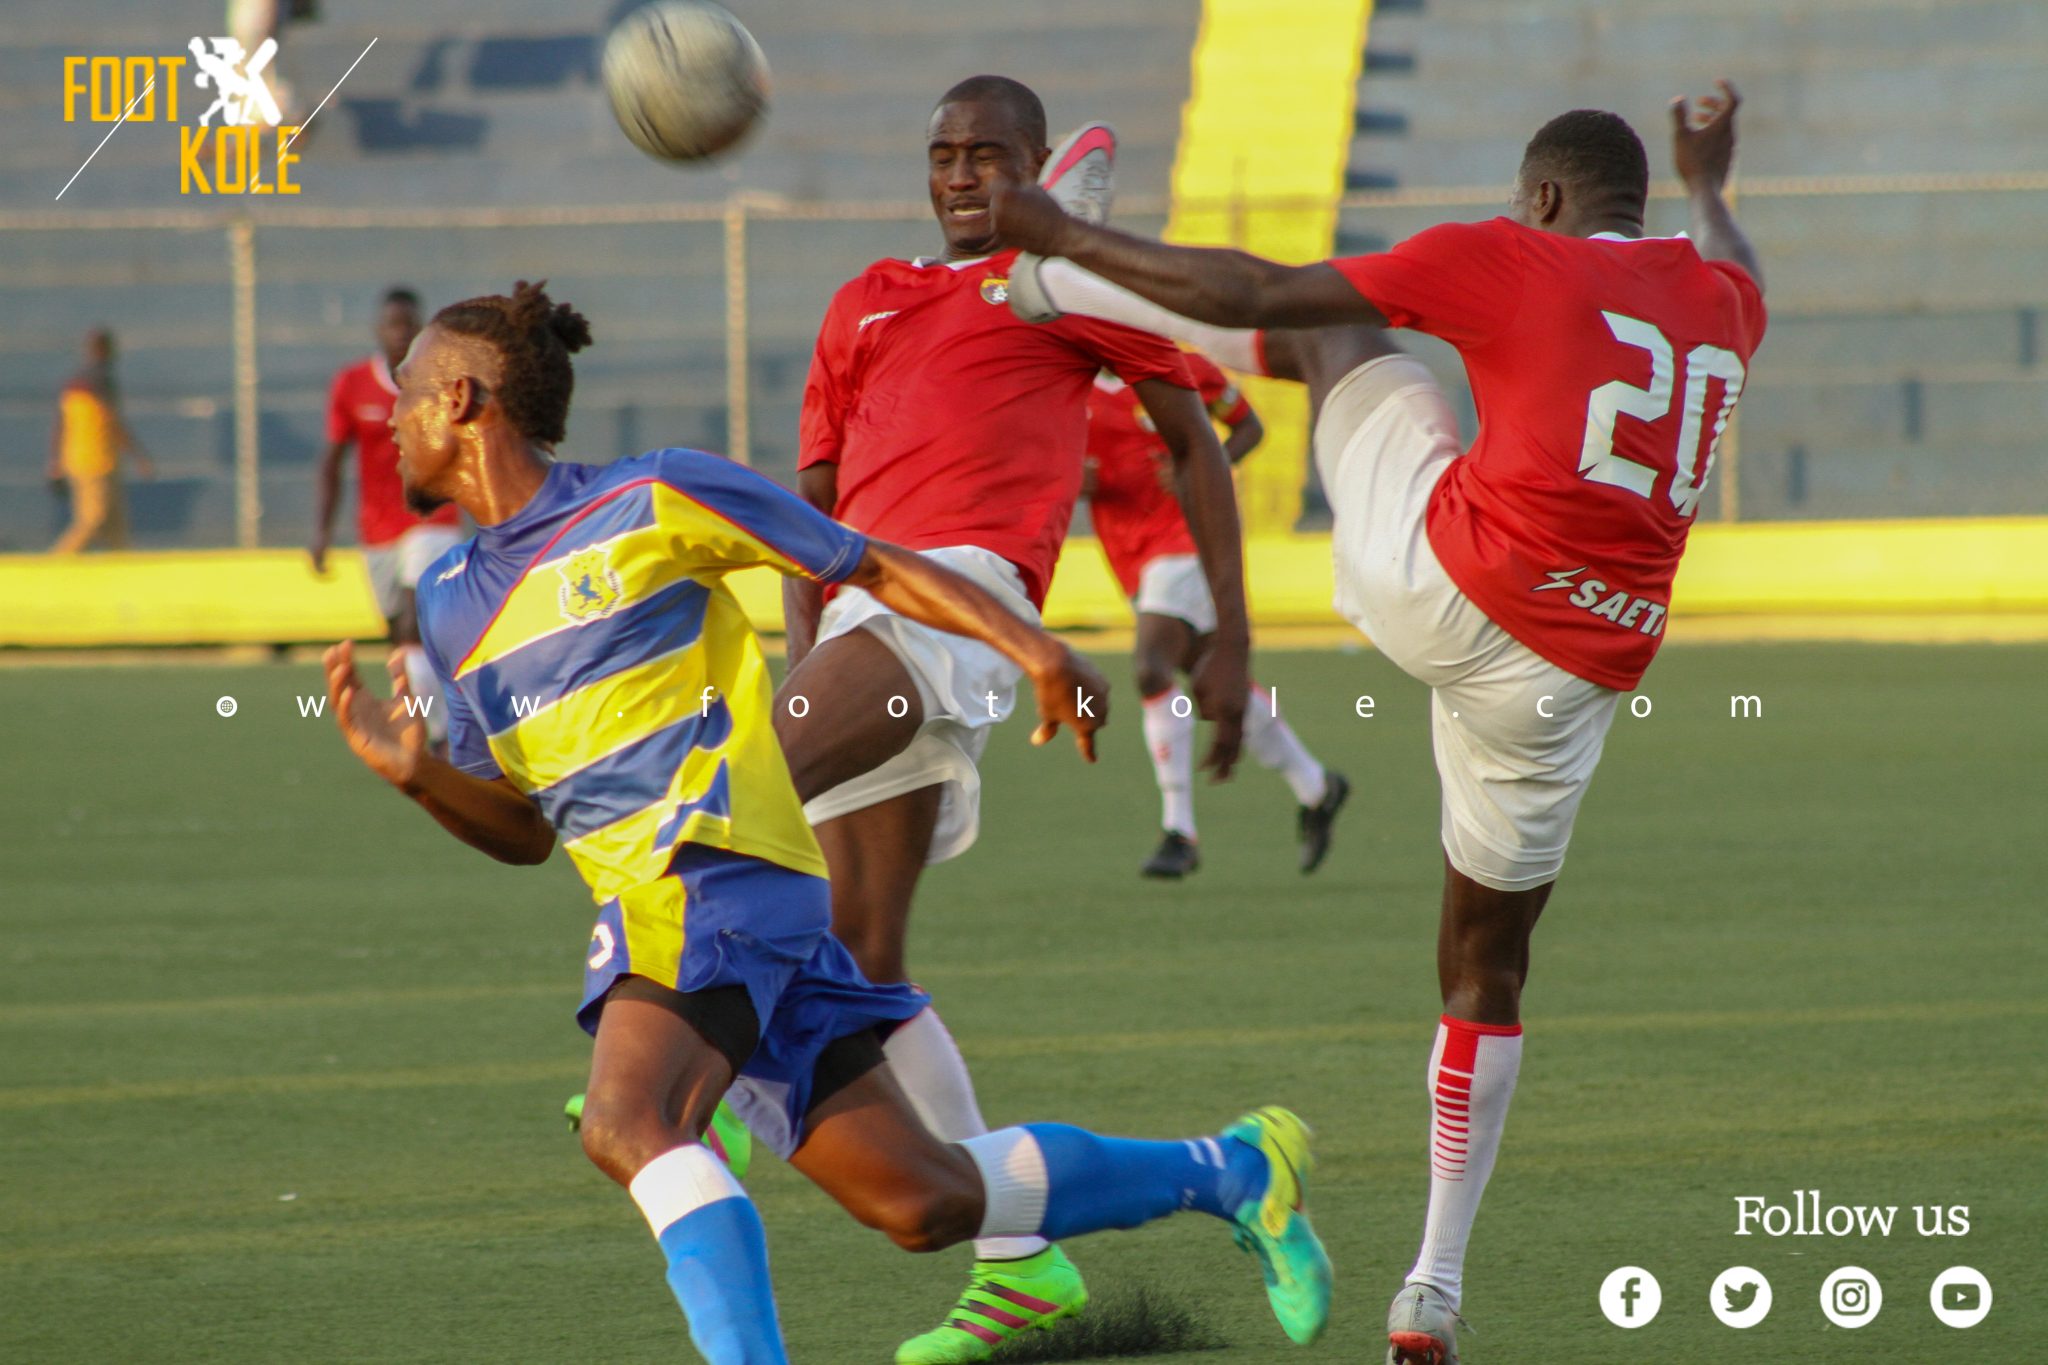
(396, 565)
(954, 677)
(1174, 585)
(1516, 737)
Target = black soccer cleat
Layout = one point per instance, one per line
(1316, 820)
(1175, 857)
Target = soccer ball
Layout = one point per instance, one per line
(686, 79)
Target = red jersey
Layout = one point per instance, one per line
(1604, 369)
(952, 421)
(359, 410)
(1136, 517)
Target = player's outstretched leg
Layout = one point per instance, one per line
(706, 1226)
(866, 1149)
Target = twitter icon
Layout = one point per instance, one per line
(1740, 1297)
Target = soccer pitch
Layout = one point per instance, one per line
(282, 1065)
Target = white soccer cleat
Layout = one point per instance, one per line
(1422, 1327)
(1080, 174)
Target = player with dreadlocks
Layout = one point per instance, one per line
(604, 687)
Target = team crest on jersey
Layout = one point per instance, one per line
(996, 289)
(591, 588)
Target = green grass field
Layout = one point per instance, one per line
(282, 1066)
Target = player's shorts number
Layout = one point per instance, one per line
(1597, 460)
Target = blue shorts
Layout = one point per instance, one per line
(724, 919)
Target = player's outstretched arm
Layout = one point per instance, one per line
(1070, 689)
(1703, 150)
(1221, 679)
(1226, 288)
(493, 816)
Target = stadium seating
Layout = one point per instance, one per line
(1903, 374)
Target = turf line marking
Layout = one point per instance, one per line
(565, 988)
(1063, 1045)
(371, 998)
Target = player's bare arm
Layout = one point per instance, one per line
(1214, 285)
(1071, 691)
(326, 495)
(1222, 679)
(489, 815)
(803, 601)
(1244, 438)
(1703, 150)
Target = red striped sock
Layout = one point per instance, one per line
(1472, 1073)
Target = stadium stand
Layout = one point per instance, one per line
(1904, 366)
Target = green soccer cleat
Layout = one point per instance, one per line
(1275, 1227)
(1003, 1299)
(727, 1137)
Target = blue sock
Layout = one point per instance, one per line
(717, 1255)
(1103, 1182)
(718, 1269)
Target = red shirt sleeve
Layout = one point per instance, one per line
(339, 426)
(827, 396)
(1459, 281)
(1220, 394)
(1749, 301)
(1129, 354)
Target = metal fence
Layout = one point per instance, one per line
(1902, 375)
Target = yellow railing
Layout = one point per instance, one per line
(1842, 569)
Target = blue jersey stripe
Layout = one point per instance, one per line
(716, 800)
(633, 778)
(552, 667)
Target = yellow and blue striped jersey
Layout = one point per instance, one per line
(592, 653)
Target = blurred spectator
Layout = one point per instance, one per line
(86, 449)
(398, 544)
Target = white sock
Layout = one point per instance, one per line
(1471, 1079)
(679, 1182)
(929, 1067)
(1014, 1181)
(1074, 290)
(420, 673)
(1170, 739)
(1275, 745)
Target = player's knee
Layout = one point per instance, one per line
(1153, 676)
(619, 1139)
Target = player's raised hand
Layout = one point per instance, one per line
(1221, 682)
(383, 734)
(1703, 137)
(1074, 693)
(1026, 217)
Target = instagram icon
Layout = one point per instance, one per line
(1851, 1296)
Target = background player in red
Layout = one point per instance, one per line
(398, 544)
(1527, 580)
(1144, 535)
(935, 419)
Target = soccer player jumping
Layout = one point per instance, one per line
(1526, 580)
(934, 418)
(605, 687)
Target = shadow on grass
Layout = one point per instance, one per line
(1127, 1322)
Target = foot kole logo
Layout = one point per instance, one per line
(237, 144)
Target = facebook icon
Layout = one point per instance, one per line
(1630, 1297)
